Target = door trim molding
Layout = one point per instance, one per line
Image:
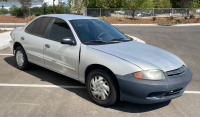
(59, 63)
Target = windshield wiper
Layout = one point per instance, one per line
(95, 41)
(119, 39)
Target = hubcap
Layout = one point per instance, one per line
(20, 58)
(99, 88)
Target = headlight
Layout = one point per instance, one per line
(150, 75)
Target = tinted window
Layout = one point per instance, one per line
(40, 26)
(60, 30)
(29, 27)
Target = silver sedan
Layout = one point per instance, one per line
(112, 66)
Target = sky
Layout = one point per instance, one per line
(64, 0)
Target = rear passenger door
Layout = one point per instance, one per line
(32, 40)
(62, 58)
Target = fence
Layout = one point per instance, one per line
(112, 12)
(128, 13)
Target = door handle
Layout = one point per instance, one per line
(22, 38)
(47, 46)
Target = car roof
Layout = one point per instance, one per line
(69, 16)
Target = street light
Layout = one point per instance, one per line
(53, 7)
(63, 3)
(44, 4)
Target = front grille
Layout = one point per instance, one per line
(178, 71)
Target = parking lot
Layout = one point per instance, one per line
(41, 92)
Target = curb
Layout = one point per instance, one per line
(10, 24)
(4, 46)
(192, 24)
(7, 28)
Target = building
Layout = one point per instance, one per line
(35, 3)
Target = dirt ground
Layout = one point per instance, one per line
(13, 19)
(2, 31)
(149, 21)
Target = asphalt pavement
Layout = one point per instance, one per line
(18, 100)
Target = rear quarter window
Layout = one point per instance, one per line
(30, 27)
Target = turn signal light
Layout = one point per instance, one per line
(138, 75)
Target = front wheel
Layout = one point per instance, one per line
(102, 87)
(21, 58)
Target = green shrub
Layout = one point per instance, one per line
(38, 14)
(104, 18)
(3, 11)
(186, 17)
(32, 17)
(178, 21)
(20, 12)
(171, 17)
(16, 11)
(198, 19)
(35, 10)
(192, 16)
(154, 18)
(121, 18)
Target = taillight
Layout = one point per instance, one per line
(11, 33)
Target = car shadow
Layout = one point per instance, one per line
(58, 79)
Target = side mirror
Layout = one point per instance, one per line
(68, 41)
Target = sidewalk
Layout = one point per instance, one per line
(4, 40)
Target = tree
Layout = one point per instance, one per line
(3, 11)
(193, 5)
(175, 3)
(135, 5)
(184, 3)
(25, 5)
(86, 3)
(162, 4)
(77, 5)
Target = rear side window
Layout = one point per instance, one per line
(60, 30)
(30, 27)
(38, 27)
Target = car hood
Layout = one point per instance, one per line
(143, 55)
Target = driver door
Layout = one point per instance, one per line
(62, 58)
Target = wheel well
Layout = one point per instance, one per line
(16, 45)
(97, 66)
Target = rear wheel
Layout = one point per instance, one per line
(102, 87)
(21, 58)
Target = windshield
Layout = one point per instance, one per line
(97, 31)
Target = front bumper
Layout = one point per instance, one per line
(148, 91)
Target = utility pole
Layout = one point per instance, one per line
(53, 7)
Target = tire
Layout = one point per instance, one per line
(19, 52)
(111, 96)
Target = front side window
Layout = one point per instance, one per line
(60, 30)
(97, 31)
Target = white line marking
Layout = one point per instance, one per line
(40, 86)
(63, 86)
(192, 92)
(5, 54)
